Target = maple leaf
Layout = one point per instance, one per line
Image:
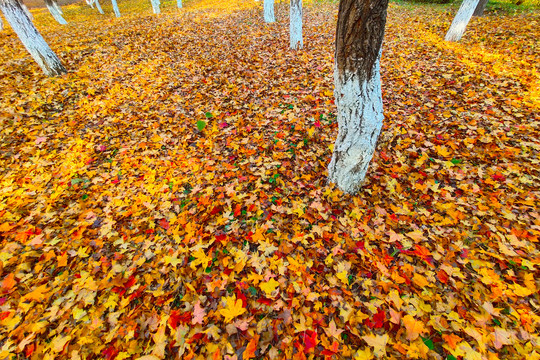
(269, 287)
(251, 347)
(9, 282)
(414, 327)
(198, 314)
(38, 294)
(332, 330)
(233, 308)
(378, 343)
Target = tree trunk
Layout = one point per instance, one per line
(90, 3)
(295, 15)
(479, 11)
(179, 3)
(155, 6)
(358, 93)
(55, 4)
(461, 20)
(98, 6)
(1, 24)
(269, 11)
(115, 8)
(31, 38)
(27, 12)
(53, 9)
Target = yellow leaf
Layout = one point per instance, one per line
(378, 343)
(233, 308)
(363, 354)
(58, 343)
(38, 294)
(420, 280)
(62, 259)
(414, 327)
(343, 277)
(269, 287)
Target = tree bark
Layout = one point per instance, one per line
(479, 11)
(31, 38)
(90, 3)
(269, 11)
(358, 93)
(155, 6)
(295, 15)
(1, 24)
(115, 8)
(98, 6)
(54, 10)
(461, 20)
(27, 12)
(179, 3)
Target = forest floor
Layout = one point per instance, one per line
(167, 198)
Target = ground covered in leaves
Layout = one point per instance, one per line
(167, 197)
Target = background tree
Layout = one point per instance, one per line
(179, 3)
(55, 11)
(155, 6)
(31, 38)
(461, 20)
(115, 8)
(295, 15)
(269, 11)
(98, 6)
(479, 11)
(358, 94)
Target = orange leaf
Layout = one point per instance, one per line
(452, 340)
(9, 282)
(251, 348)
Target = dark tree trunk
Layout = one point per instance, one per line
(479, 11)
(358, 93)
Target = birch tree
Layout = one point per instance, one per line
(115, 8)
(31, 38)
(179, 3)
(480, 8)
(295, 18)
(358, 94)
(269, 11)
(155, 6)
(461, 20)
(98, 6)
(1, 25)
(55, 11)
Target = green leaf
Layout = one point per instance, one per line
(428, 342)
(209, 115)
(76, 181)
(201, 125)
(456, 161)
(450, 357)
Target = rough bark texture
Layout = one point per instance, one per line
(115, 8)
(90, 3)
(27, 12)
(155, 6)
(1, 24)
(461, 20)
(31, 38)
(295, 15)
(55, 11)
(179, 3)
(479, 11)
(358, 93)
(269, 11)
(98, 6)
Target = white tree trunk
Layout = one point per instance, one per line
(115, 8)
(1, 24)
(179, 3)
(27, 12)
(90, 3)
(54, 12)
(295, 15)
(31, 38)
(461, 20)
(269, 11)
(155, 6)
(98, 6)
(360, 119)
(55, 4)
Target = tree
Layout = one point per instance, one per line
(479, 11)
(115, 8)
(155, 6)
(269, 11)
(55, 11)
(358, 93)
(98, 6)
(31, 38)
(179, 3)
(461, 20)
(295, 15)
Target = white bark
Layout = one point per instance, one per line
(115, 8)
(179, 3)
(1, 24)
(90, 3)
(55, 13)
(55, 4)
(155, 6)
(98, 6)
(461, 20)
(269, 11)
(31, 38)
(27, 12)
(295, 15)
(360, 119)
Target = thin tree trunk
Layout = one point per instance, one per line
(55, 4)
(479, 11)
(54, 12)
(269, 11)
(1, 24)
(27, 12)
(31, 38)
(295, 30)
(179, 3)
(358, 94)
(115, 8)
(155, 6)
(98, 6)
(90, 3)
(461, 20)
